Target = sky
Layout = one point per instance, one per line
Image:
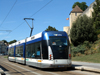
(44, 12)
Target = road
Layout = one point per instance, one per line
(88, 64)
(11, 68)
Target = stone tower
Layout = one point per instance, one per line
(74, 14)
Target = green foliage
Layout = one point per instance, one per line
(86, 48)
(96, 16)
(99, 50)
(5, 41)
(82, 30)
(13, 41)
(51, 29)
(98, 31)
(87, 44)
(77, 50)
(82, 5)
(99, 36)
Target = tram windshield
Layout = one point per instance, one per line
(59, 46)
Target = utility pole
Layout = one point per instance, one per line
(29, 25)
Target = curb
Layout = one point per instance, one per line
(86, 68)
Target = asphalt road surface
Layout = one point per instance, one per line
(12, 68)
(88, 64)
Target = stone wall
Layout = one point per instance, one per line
(66, 29)
(73, 17)
(88, 11)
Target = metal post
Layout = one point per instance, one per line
(29, 25)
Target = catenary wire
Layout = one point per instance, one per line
(34, 13)
(41, 8)
(8, 12)
(31, 16)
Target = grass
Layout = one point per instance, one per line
(5, 56)
(95, 58)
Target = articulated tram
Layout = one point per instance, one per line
(48, 49)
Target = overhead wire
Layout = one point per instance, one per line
(8, 13)
(35, 13)
(32, 15)
(41, 8)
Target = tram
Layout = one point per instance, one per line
(48, 49)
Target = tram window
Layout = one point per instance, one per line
(37, 50)
(33, 50)
(19, 51)
(11, 51)
(28, 51)
(58, 41)
(16, 51)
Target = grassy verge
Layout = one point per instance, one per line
(5, 56)
(95, 58)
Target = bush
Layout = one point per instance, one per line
(78, 54)
(87, 44)
(87, 52)
(81, 48)
(74, 51)
(77, 51)
(98, 49)
(98, 31)
(98, 41)
(99, 36)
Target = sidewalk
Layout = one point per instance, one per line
(86, 66)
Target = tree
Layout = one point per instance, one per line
(51, 29)
(82, 30)
(82, 5)
(13, 41)
(96, 16)
(5, 41)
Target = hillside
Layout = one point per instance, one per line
(88, 52)
(95, 58)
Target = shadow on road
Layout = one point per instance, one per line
(54, 69)
(73, 65)
(4, 69)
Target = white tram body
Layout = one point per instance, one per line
(48, 49)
